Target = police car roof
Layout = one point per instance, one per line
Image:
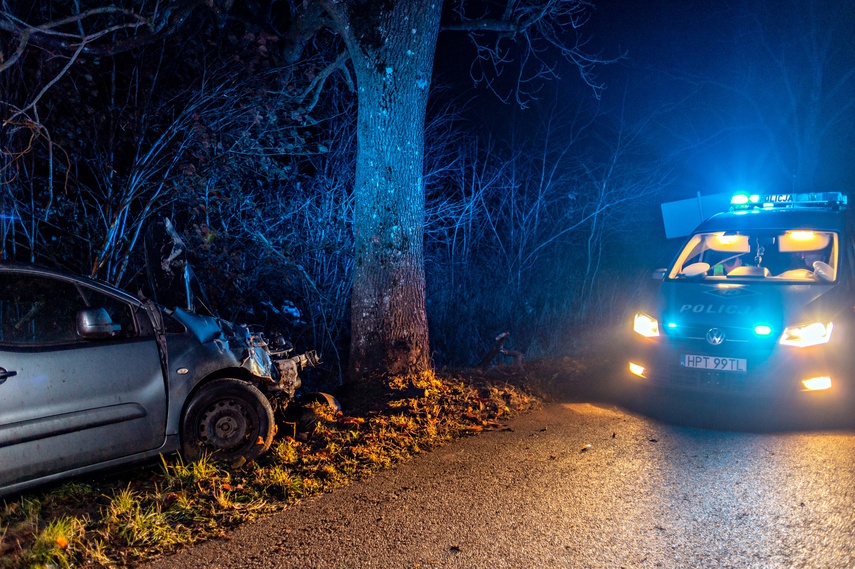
(821, 219)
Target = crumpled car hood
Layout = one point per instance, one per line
(250, 351)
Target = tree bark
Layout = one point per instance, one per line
(392, 45)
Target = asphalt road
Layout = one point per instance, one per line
(585, 484)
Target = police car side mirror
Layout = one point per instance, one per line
(659, 274)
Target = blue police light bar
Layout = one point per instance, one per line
(823, 199)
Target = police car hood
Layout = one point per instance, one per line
(747, 304)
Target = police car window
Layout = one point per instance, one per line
(801, 255)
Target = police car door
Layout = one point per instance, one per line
(67, 402)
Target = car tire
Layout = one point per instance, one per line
(229, 419)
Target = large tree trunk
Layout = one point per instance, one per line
(392, 45)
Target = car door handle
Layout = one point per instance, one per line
(4, 375)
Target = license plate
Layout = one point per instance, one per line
(716, 363)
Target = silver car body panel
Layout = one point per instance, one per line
(58, 420)
(55, 415)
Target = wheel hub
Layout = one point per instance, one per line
(224, 425)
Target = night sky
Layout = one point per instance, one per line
(719, 108)
(701, 69)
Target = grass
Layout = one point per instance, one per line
(156, 509)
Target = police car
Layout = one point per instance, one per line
(759, 300)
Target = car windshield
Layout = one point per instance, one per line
(802, 256)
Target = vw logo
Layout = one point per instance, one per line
(715, 336)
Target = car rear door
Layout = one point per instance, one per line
(67, 402)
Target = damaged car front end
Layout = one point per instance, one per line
(92, 377)
(232, 381)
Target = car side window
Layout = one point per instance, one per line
(120, 312)
(37, 310)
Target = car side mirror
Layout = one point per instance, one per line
(96, 324)
(659, 274)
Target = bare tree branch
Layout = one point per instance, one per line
(313, 91)
(165, 19)
(77, 18)
(535, 30)
(22, 45)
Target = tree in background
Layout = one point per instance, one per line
(390, 46)
(540, 233)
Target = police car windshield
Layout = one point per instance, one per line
(801, 256)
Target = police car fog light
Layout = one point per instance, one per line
(636, 369)
(762, 330)
(817, 383)
(807, 335)
(645, 325)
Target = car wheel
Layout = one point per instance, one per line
(229, 419)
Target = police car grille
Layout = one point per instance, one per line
(699, 333)
(734, 346)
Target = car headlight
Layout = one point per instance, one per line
(807, 335)
(645, 325)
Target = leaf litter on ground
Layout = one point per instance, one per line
(120, 519)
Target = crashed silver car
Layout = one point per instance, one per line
(92, 377)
